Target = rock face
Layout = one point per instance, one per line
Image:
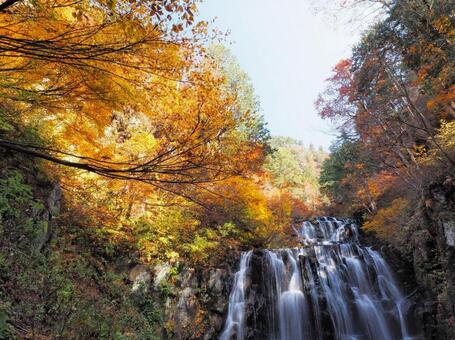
(426, 269)
(196, 302)
(434, 260)
(46, 215)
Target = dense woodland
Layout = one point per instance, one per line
(393, 103)
(129, 134)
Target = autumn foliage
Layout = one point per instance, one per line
(393, 104)
(153, 131)
(154, 135)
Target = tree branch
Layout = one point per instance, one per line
(8, 3)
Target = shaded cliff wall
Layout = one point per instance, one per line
(433, 255)
(422, 257)
(195, 301)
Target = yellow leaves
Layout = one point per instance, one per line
(128, 137)
(443, 25)
(445, 140)
(141, 144)
(201, 247)
(69, 14)
(116, 90)
(386, 221)
(446, 135)
(247, 202)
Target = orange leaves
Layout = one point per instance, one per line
(87, 72)
(386, 221)
(443, 103)
(423, 72)
(177, 28)
(121, 89)
(444, 25)
(337, 102)
(379, 184)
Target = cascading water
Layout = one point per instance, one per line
(330, 288)
(235, 322)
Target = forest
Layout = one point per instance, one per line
(393, 105)
(134, 153)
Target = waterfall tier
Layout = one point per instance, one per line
(330, 288)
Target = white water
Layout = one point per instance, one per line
(331, 287)
(235, 322)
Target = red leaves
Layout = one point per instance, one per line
(338, 101)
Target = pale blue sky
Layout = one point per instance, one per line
(287, 50)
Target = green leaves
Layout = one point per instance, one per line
(5, 329)
(14, 196)
(295, 168)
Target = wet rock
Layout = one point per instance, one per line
(216, 324)
(216, 280)
(261, 303)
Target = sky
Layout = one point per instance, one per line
(288, 50)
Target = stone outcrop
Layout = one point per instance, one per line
(196, 301)
(46, 215)
(434, 259)
(260, 313)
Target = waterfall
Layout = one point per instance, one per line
(329, 288)
(235, 322)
